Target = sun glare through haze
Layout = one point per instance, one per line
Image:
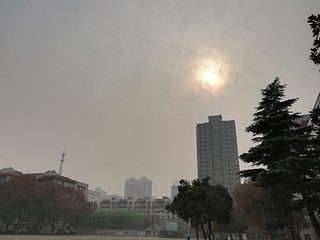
(123, 84)
(210, 73)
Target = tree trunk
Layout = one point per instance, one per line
(210, 231)
(203, 232)
(240, 236)
(270, 236)
(294, 234)
(310, 211)
(197, 233)
(53, 227)
(314, 221)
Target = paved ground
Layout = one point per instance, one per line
(75, 237)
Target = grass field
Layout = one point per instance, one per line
(116, 219)
(74, 237)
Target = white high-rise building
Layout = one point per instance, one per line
(217, 152)
(174, 189)
(138, 188)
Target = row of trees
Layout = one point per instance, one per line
(27, 203)
(286, 156)
(285, 182)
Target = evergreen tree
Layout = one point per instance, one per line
(272, 129)
(314, 21)
(285, 154)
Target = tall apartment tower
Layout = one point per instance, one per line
(217, 152)
(138, 188)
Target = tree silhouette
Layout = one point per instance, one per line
(314, 22)
(25, 202)
(286, 157)
(203, 205)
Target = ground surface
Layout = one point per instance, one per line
(74, 237)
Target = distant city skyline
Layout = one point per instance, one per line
(138, 188)
(121, 85)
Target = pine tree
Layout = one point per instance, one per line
(314, 21)
(285, 157)
(272, 128)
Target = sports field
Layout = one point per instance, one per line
(75, 237)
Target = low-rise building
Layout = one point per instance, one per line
(94, 196)
(7, 173)
(46, 177)
(103, 193)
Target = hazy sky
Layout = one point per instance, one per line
(116, 84)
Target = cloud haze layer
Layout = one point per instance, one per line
(113, 81)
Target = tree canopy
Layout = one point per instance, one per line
(202, 204)
(314, 21)
(251, 201)
(285, 156)
(25, 202)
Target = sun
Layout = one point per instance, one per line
(209, 73)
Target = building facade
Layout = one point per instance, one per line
(156, 217)
(94, 197)
(217, 152)
(7, 173)
(50, 176)
(174, 189)
(103, 193)
(138, 188)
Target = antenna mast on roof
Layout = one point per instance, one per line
(61, 164)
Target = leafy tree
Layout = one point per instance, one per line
(203, 205)
(16, 201)
(314, 21)
(236, 226)
(254, 203)
(185, 207)
(285, 158)
(251, 200)
(25, 202)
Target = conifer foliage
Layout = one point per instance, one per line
(314, 21)
(285, 158)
